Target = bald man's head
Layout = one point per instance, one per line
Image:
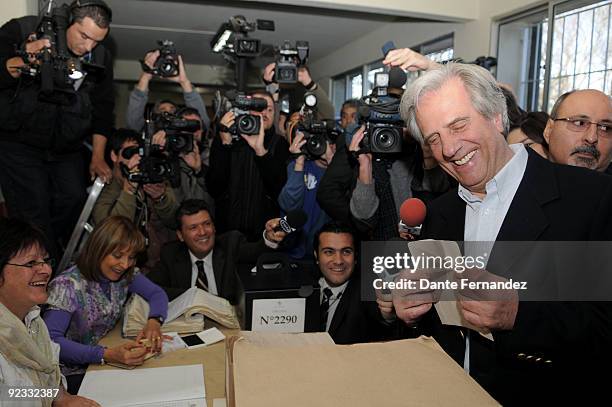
(571, 139)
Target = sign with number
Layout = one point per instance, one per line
(279, 315)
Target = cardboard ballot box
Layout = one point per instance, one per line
(304, 370)
(280, 297)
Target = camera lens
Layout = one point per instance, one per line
(287, 74)
(315, 145)
(248, 124)
(385, 140)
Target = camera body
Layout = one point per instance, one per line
(244, 122)
(167, 64)
(384, 127)
(153, 169)
(179, 132)
(288, 60)
(317, 133)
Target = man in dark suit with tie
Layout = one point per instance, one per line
(344, 315)
(542, 351)
(201, 259)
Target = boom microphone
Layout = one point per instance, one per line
(294, 220)
(412, 215)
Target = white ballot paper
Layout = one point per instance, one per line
(447, 310)
(176, 386)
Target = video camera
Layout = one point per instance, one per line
(179, 132)
(317, 133)
(56, 68)
(159, 164)
(167, 64)
(384, 126)
(288, 61)
(241, 104)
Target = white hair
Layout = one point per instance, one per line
(486, 96)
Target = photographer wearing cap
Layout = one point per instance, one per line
(140, 94)
(56, 91)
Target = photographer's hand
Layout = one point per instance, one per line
(159, 139)
(295, 148)
(193, 158)
(145, 77)
(32, 48)
(98, 166)
(268, 73)
(155, 191)
(131, 187)
(182, 78)
(365, 160)
(409, 60)
(257, 142)
(228, 121)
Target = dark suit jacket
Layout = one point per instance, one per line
(173, 271)
(356, 321)
(553, 347)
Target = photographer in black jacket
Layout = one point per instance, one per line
(41, 168)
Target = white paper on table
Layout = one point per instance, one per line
(279, 315)
(177, 307)
(145, 386)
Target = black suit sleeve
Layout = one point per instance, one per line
(161, 275)
(335, 188)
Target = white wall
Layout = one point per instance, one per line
(17, 8)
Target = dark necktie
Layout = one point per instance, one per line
(327, 293)
(201, 281)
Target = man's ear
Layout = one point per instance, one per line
(548, 130)
(113, 156)
(179, 235)
(499, 123)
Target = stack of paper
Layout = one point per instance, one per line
(177, 386)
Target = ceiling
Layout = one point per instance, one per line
(191, 24)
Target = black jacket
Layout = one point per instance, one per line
(173, 271)
(24, 118)
(246, 187)
(550, 355)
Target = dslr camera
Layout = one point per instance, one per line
(316, 132)
(167, 64)
(154, 167)
(288, 61)
(384, 127)
(179, 132)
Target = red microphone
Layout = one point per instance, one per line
(412, 215)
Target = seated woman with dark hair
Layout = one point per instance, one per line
(86, 301)
(27, 355)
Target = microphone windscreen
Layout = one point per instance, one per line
(297, 218)
(397, 77)
(412, 212)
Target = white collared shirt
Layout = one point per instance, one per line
(208, 270)
(337, 293)
(484, 216)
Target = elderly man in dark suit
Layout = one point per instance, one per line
(201, 259)
(507, 193)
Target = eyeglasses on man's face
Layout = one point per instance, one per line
(580, 125)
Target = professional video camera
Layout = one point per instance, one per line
(179, 132)
(161, 164)
(167, 64)
(316, 132)
(288, 61)
(240, 104)
(56, 68)
(380, 113)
